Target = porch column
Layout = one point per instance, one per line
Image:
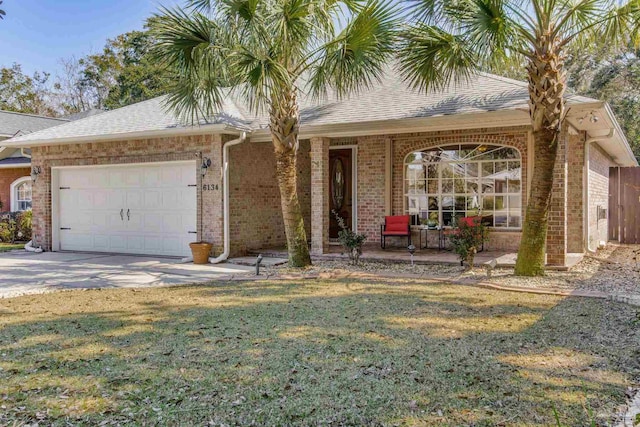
(557, 229)
(319, 195)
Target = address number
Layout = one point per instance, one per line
(210, 187)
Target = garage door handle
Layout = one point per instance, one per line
(128, 214)
(122, 214)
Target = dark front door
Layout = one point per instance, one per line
(340, 189)
(624, 204)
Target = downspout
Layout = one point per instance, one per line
(585, 201)
(225, 198)
(24, 153)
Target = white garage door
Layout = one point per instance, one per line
(141, 209)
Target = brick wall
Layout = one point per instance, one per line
(404, 144)
(371, 185)
(255, 212)
(7, 177)
(599, 163)
(132, 151)
(575, 190)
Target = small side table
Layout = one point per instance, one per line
(426, 231)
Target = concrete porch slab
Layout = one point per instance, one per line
(27, 273)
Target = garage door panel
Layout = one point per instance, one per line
(161, 209)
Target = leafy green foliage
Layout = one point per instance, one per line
(351, 241)
(611, 74)
(264, 51)
(467, 239)
(24, 93)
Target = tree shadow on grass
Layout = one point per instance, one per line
(312, 352)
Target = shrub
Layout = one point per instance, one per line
(350, 241)
(15, 226)
(466, 239)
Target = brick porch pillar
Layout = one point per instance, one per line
(557, 229)
(319, 195)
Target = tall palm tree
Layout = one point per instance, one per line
(270, 52)
(2, 12)
(448, 41)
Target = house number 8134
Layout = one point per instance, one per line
(209, 187)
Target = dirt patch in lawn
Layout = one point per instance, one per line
(314, 352)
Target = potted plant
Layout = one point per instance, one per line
(200, 252)
(350, 241)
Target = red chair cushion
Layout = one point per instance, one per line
(398, 223)
(395, 233)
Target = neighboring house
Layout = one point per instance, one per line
(131, 180)
(15, 163)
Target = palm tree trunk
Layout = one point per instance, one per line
(531, 259)
(547, 82)
(284, 132)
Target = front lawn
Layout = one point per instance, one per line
(314, 352)
(6, 247)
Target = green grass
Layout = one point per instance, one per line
(6, 247)
(314, 352)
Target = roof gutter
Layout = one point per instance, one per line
(183, 131)
(225, 198)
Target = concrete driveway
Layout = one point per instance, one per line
(27, 273)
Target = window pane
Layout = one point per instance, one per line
(487, 169)
(454, 181)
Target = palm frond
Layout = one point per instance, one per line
(432, 58)
(357, 57)
(195, 47)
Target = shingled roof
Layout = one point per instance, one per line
(390, 99)
(12, 123)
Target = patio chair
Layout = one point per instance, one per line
(395, 226)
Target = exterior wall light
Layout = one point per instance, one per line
(206, 164)
(35, 171)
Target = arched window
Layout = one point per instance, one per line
(455, 181)
(21, 194)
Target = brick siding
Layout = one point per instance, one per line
(599, 164)
(7, 177)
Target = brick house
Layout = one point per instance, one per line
(137, 180)
(15, 163)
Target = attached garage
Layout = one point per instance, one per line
(146, 209)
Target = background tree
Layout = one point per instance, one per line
(24, 93)
(611, 75)
(2, 12)
(269, 53)
(450, 41)
(123, 73)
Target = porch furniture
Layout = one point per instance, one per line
(426, 231)
(395, 226)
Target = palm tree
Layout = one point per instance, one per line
(270, 52)
(448, 41)
(2, 12)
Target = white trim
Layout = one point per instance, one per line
(55, 191)
(13, 195)
(354, 184)
(16, 166)
(116, 165)
(195, 130)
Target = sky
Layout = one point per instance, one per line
(38, 33)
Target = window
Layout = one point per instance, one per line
(454, 181)
(21, 194)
